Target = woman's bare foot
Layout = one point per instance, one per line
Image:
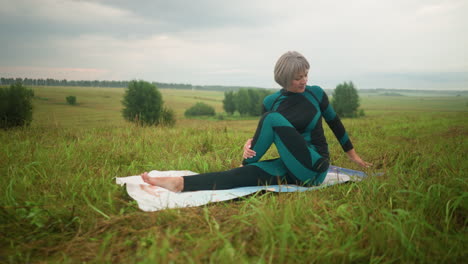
(149, 180)
(174, 184)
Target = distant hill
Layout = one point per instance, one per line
(383, 90)
(391, 94)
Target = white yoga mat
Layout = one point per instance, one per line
(152, 198)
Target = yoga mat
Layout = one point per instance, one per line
(152, 198)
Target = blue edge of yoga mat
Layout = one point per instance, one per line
(347, 171)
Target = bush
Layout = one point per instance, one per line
(361, 113)
(345, 100)
(15, 106)
(168, 117)
(143, 104)
(200, 109)
(71, 100)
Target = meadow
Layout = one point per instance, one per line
(60, 203)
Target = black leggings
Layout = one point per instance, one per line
(248, 175)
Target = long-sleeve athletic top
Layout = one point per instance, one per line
(305, 111)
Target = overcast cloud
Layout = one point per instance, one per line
(402, 44)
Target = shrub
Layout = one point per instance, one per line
(143, 104)
(15, 106)
(345, 100)
(200, 109)
(168, 117)
(71, 100)
(361, 113)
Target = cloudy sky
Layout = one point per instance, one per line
(400, 44)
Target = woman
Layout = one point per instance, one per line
(293, 122)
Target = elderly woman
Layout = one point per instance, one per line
(293, 122)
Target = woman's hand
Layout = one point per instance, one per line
(352, 155)
(248, 153)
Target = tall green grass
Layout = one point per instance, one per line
(60, 203)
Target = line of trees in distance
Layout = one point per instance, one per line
(116, 84)
(123, 84)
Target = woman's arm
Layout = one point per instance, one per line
(334, 121)
(338, 129)
(352, 155)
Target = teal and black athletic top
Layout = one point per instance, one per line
(305, 111)
(293, 122)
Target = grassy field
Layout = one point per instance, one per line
(60, 203)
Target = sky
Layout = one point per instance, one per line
(397, 44)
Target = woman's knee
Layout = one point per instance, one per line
(275, 119)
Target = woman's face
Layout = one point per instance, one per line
(299, 82)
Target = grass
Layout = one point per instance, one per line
(59, 201)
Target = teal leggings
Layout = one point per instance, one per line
(297, 158)
(298, 163)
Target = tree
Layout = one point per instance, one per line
(245, 101)
(345, 100)
(143, 104)
(15, 106)
(256, 101)
(71, 100)
(255, 104)
(242, 102)
(229, 104)
(200, 109)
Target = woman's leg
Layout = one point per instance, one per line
(249, 175)
(298, 164)
(269, 172)
(301, 161)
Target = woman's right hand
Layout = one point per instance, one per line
(248, 152)
(352, 155)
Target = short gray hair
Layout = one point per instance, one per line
(288, 65)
